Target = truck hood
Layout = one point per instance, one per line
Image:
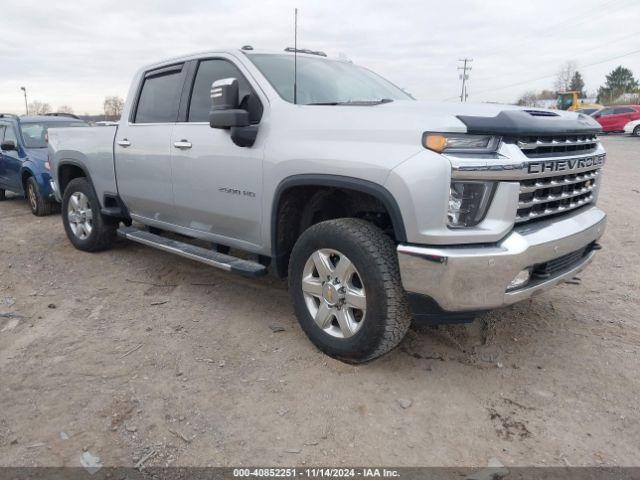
(401, 121)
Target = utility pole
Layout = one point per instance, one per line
(464, 76)
(26, 107)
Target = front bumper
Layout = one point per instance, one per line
(476, 277)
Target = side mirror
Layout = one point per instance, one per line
(225, 111)
(8, 145)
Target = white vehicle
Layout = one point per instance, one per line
(633, 128)
(376, 206)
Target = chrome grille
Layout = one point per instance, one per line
(544, 196)
(556, 145)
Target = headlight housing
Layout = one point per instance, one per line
(468, 203)
(460, 142)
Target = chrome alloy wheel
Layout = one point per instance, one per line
(334, 293)
(80, 215)
(32, 196)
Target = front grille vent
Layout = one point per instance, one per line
(556, 145)
(545, 196)
(559, 265)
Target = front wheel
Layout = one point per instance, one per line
(87, 228)
(3, 195)
(636, 131)
(345, 285)
(37, 203)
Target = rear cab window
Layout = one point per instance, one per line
(159, 97)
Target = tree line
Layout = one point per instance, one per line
(620, 87)
(112, 106)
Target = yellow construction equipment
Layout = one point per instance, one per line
(571, 101)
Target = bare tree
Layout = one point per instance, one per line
(65, 109)
(39, 108)
(565, 75)
(113, 107)
(528, 99)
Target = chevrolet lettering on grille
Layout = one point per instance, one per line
(565, 165)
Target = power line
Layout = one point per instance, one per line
(553, 74)
(464, 77)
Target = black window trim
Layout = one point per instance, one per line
(185, 98)
(174, 67)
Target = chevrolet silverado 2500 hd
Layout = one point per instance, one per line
(376, 206)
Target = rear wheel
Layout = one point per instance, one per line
(636, 131)
(345, 286)
(3, 195)
(39, 205)
(87, 228)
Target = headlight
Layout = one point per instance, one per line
(460, 142)
(468, 203)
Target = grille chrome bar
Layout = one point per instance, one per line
(555, 182)
(553, 143)
(552, 211)
(553, 198)
(557, 194)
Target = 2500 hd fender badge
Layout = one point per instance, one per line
(565, 165)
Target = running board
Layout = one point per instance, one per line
(199, 254)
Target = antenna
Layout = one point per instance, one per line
(295, 57)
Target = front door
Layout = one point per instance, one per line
(217, 186)
(142, 146)
(10, 161)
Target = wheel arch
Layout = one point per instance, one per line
(68, 170)
(372, 189)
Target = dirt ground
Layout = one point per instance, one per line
(141, 357)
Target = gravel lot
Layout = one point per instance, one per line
(137, 355)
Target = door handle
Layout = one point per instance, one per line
(182, 144)
(124, 143)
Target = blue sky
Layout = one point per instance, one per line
(76, 53)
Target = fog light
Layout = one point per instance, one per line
(520, 280)
(468, 202)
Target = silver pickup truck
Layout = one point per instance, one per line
(376, 206)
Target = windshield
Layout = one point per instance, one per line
(324, 81)
(34, 133)
(564, 101)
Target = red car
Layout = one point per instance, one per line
(613, 119)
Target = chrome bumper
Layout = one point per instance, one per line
(465, 278)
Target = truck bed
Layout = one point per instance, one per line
(92, 147)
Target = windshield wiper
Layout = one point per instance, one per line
(355, 102)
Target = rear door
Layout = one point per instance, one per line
(143, 146)
(217, 185)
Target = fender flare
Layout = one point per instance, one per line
(337, 181)
(75, 163)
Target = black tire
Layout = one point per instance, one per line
(636, 131)
(39, 206)
(3, 195)
(373, 254)
(103, 228)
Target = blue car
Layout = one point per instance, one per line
(24, 168)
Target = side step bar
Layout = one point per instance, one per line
(199, 254)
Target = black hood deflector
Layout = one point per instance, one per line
(521, 123)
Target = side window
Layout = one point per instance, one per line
(208, 72)
(606, 111)
(10, 135)
(623, 110)
(160, 97)
(2, 128)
